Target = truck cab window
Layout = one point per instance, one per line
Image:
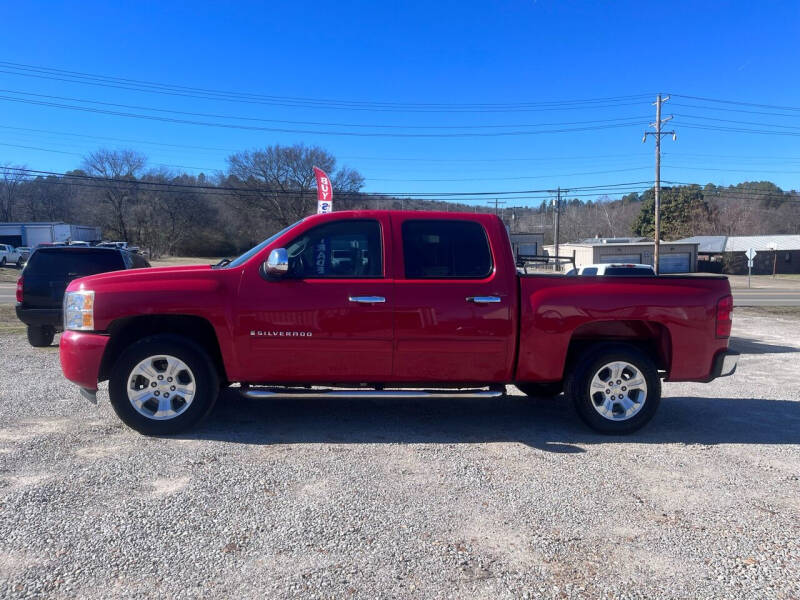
(446, 249)
(345, 249)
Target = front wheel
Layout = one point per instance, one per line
(41, 336)
(163, 384)
(615, 388)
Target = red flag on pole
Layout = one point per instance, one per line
(324, 192)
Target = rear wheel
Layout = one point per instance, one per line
(40, 336)
(615, 388)
(3, 262)
(20, 262)
(162, 385)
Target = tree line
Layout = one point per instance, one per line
(261, 191)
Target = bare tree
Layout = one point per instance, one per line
(279, 180)
(11, 178)
(119, 170)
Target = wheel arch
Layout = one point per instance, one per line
(125, 331)
(649, 337)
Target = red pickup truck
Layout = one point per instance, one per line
(389, 303)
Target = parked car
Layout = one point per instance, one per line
(24, 254)
(9, 255)
(435, 302)
(40, 290)
(120, 245)
(619, 269)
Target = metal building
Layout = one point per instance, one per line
(32, 234)
(774, 253)
(676, 257)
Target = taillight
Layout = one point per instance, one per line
(19, 289)
(724, 316)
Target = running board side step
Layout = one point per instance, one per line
(256, 393)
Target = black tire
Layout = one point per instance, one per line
(590, 363)
(20, 263)
(541, 390)
(206, 382)
(40, 336)
(3, 262)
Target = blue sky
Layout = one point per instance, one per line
(412, 53)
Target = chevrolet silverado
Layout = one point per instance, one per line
(389, 303)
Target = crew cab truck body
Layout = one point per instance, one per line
(373, 300)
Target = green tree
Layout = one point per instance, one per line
(684, 212)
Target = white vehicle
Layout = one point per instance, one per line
(10, 256)
(614, 269)
(120, 245)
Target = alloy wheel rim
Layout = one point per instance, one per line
(618, 391)
(161, 387)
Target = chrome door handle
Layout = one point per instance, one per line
(367, 299)
(484, 299)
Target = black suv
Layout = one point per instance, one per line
(47, 275)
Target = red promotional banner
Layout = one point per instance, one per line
(324, 192)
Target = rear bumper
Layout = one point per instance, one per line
(39, 316)
(725, 363)
(81, 354)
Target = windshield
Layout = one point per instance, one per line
(236, 262)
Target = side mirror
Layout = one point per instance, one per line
(277, 265)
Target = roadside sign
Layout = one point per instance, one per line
(751, 254)
(750, 264)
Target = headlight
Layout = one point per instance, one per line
(79, 311)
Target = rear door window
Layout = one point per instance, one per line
(438, 249)
(73, 263)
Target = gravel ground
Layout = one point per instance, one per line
(509, 498)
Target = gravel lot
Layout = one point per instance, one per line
(508, 498)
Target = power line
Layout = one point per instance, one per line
(739, 122)
(739, 130)
(738, 103)
(548, 176)
(403, 159)
(306, 131)
(316, 123)
(20, 69)
(35, 172)
(736, 110)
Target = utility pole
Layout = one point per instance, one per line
(557, 217)
(657, 189)
(496, 205)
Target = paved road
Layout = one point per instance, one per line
(766, 297)
(8, 293)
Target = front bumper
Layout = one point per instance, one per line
(725, 363)
(81, 354)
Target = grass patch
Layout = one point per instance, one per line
(10, 274)
(174, 261)
(9, 323)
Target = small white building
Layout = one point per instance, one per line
(32, 234)
(676, 257)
